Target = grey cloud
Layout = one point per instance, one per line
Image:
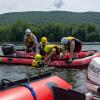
(10, 7)
(58, 3)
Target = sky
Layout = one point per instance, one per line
(49, 5)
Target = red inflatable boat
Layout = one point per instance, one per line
(24, 54)
(40, 89)
(82, 61)
(9, 49)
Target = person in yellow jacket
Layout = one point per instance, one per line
(37, 62)
(72, 45)
(30, 41)
(52, 51)
(42, 45)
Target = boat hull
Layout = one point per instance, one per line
(42, 89)
(81, 62)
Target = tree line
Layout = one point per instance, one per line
(53, 31)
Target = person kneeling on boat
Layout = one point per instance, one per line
(42, 45)
(52, 52)
(72, 45)
(30, 41)
(37, 62)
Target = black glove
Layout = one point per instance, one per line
(40, 64)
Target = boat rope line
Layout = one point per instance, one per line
(31, 90)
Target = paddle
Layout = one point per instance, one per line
(62, 94)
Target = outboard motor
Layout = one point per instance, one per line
(8, 49)
(93, 78)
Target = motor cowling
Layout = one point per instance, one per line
(8, 49)
(93, 75)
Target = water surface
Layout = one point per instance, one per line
(74, 76)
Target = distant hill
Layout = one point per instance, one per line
(51, 17)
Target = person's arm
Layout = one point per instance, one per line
(35, 43)
(61, 53)
(64, 50)
(72, 47)
(50, 55)
(25, 41)
(39, 48)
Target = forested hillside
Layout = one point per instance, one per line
(51, 17)
(53, 25)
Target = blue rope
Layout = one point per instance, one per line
(31, 90)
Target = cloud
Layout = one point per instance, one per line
(58, 3)
(11, 7)
(49, 5)
(8, 6)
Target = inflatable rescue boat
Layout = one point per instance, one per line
(82, 61)
(34, 88)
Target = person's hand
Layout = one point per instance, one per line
(43, 61)
(24, 48)
(89, 96)
(30, 48)
(40, 64)
(61, 55)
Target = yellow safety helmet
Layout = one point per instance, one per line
(43, 39)
(38, 57)
(47, 48)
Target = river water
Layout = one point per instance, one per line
(76, 77)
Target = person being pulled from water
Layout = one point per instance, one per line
(72, 46)
(37, 62)
(30, 41)
(42, 45)
(52, 51)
